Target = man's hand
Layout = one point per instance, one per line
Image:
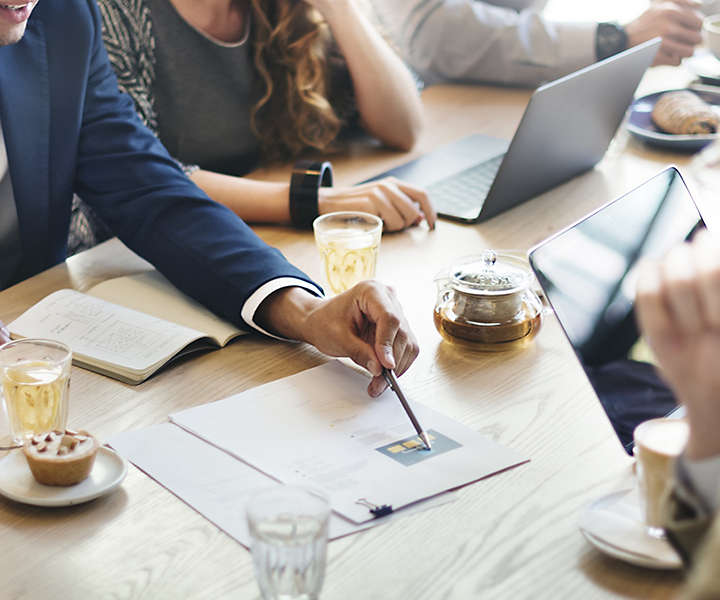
(677, 22)
(366, 323)
(678, 309)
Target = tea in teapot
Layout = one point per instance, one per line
(486, 303)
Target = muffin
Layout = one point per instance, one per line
(61, 457)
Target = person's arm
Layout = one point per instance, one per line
(385, 92)
(398, 204)
(469, 40)
(678, 310)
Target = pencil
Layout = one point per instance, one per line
(395, 387)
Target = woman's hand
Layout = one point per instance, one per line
(398, 204)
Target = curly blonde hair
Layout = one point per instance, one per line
(292, 53)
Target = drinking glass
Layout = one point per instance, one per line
(288, 529)
(35, 378)
(658, 443)
(348, 243)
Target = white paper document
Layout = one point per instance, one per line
(214, 483)
(320, 428)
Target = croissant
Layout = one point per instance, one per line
(684, 113)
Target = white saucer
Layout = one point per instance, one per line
(18, 483)
(613, 524)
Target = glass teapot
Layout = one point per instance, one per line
(486, 302)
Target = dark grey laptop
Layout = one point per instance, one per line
(588, 274)
(566, 128)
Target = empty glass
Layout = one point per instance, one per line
(289, 529)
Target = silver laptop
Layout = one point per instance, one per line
(588, 274)
(566, 128)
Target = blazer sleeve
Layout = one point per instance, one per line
(467, 40)
(127, 176)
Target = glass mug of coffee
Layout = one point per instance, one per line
(35, 378)
(658, 443)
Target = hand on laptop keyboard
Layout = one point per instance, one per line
(397, 203)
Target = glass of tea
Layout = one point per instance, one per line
(348, 243)
(35, 380)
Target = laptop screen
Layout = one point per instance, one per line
(588, 273)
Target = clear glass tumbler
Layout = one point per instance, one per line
(35, 378)
(289, 529)
(348, 243)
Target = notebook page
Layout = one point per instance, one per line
(151, 293)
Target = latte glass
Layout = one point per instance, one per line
(658, 443)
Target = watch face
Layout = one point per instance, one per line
(610, 39)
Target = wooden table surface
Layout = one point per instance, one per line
(514, 535)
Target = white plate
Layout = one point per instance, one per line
(18, 483)
(613, 524)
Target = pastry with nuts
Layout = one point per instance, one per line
(61, 457)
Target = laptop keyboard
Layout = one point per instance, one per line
(463, 194)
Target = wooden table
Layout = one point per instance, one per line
(514, 535)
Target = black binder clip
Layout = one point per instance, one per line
(377, 511)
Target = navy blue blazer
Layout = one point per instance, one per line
(68, 129)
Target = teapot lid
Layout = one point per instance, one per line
(491, 273)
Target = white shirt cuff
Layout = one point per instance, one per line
(247, 313)
(704, 475)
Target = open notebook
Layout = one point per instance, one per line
(126, 328)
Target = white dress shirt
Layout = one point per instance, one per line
(502, 41)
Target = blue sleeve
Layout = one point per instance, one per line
(128, 177)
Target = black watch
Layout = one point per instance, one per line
(307, 179)
(610, 38)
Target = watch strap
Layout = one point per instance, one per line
(307, 178)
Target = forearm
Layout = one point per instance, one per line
(253, 201)
(477, 41)
(385, 92)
